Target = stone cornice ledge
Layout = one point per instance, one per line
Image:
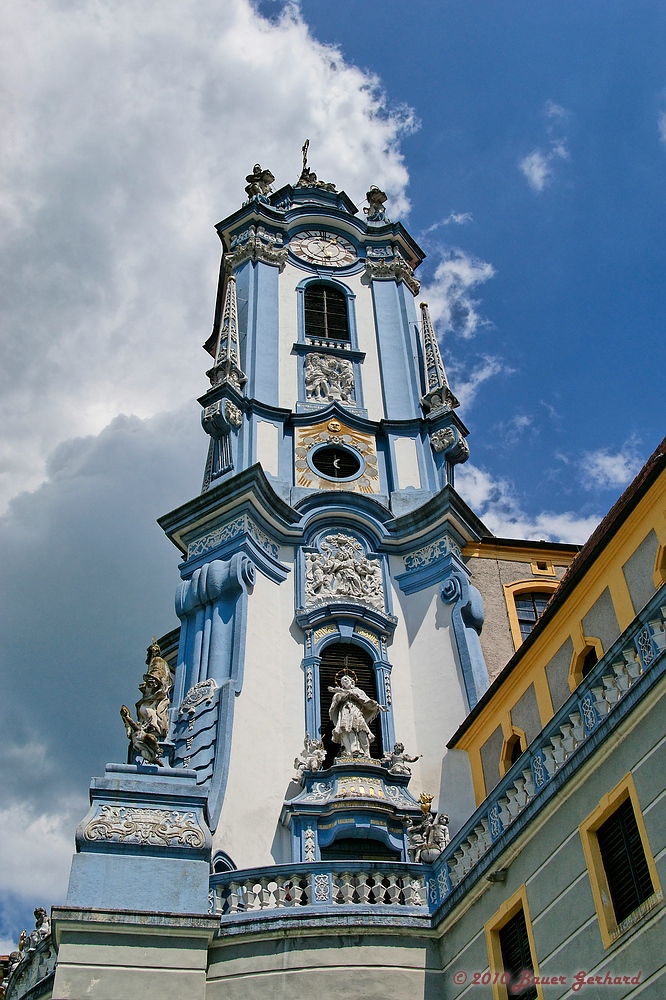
(117, 921)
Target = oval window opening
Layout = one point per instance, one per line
(336, 463)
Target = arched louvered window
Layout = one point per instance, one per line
(326, 313)
(337, 658)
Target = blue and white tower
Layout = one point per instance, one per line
(327, 537)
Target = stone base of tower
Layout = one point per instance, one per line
(351, 961)
(108, 954)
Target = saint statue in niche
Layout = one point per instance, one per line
(351, 710)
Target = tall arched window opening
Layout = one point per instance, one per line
(326, 313)
(337, 658)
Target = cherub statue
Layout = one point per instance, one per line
(429, 835)
(42, 928)
(311, 757)
(375, 211)
(397, 760)
(152, 710)
(259, 182)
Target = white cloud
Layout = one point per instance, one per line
(466, 387)
(539, 165)
(661, 125)
(87, 579)
(608, 469)
(500, 509)
(454, 218)
(449, 293)
(36, 851)
(128, 131)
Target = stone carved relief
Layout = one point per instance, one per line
(231, 529)
(309, 845)
(256, 243)
(234, 414)
(397, 268)
(342, 570)
(319, 792)
(154, 827)
(329, 378)
(443, 439)
(202, 692)
(152, 709)
(430, 553)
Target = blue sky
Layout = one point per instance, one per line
(523, 144)
(575, 237)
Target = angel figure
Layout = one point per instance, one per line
(398, 760)
(311, 757)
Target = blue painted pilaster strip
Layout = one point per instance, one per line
(396, 345)
(467, 619)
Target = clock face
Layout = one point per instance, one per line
(319, 247)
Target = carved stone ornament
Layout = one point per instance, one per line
(42, 928)
(311, 757)
(256, 243)
(397, 268)
(328, 378)
(398, 760)
(443, 439)
(308, 178)
(234, 414)
(152, 709)
(351, 712)
(259, 183)
(333, 432)
(202, 692)
(429, 835)
(154, 827)
(375, 211)
(341, 570)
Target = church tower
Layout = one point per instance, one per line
(327, 537)
(324, 796)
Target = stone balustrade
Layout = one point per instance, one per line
(330, 884)
(639, 650)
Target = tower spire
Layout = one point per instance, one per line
(438, 395)
(227, 361)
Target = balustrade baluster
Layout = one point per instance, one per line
(578, 728)
(658, 633)
(568, 741)
(549, 760)
(363, 887)
(346, 880)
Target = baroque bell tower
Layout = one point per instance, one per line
(326, 542)
(296, 723)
